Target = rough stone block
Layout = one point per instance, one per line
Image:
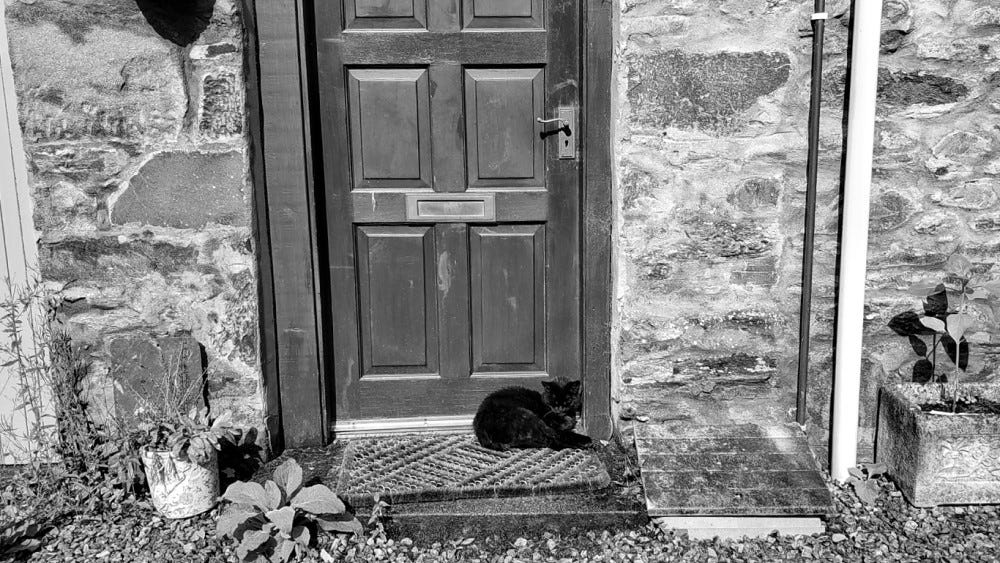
(758, 271)
(909, 88)
(108, 259)
(975, 195)
(721, 238)
(84, 165)
(186, 190)
(702, 91)
(156, 374)
(756, 193)
(889, 211)
(938, 459)
(635, 185)
(107, 81)
(221, 106)
(990, 223)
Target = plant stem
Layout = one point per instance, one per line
(934, 375)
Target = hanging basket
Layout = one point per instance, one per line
(181, 489)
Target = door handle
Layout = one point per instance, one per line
(567, 123)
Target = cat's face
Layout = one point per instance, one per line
(563, 397)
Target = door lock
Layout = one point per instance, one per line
(566, 130)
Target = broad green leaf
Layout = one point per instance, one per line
(948, 344)
(937, 325)
(959, 265)
(926, 287)
(958, 324)
(301, 535)
(246, 493)
(288, 476)
(274, 496)
(351, 526)
(254, 539)
(284, 550)
(282, 518)
(231, 519)
(318, 499)
(223, 421)
(918, 345)
(955, 300)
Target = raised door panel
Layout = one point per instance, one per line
(398, 317)
(385, 14)
(390, 128)
(508, 298)
(504, 147)
(502, 13)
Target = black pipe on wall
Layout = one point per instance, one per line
(805, 307)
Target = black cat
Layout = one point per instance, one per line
(516, 417)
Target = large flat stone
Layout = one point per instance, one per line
(165, 373)
(702, 91)
(86, 72)
(735, 470)
(186, 190)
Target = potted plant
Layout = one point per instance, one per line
(181, 462)
(939, 435)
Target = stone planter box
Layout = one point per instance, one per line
(939, 459)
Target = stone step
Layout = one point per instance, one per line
(735, 470)
(736, 527)
(510, 517)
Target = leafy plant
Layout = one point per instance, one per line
(947, 317)
(240, 458)
(20, 540)
(72, 463)
(190, 437)
(278, 520)
(863, 479)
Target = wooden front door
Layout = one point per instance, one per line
(452, 212)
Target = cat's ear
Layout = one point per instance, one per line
(548, 385)
(573, 387)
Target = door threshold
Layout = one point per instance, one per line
(414, 425)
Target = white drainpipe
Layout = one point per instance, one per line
(866, 20)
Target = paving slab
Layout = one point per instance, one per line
(737, 527)
(740, 470)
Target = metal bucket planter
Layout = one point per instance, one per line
(181, 489)
(939, 459)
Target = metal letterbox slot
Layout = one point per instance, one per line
(453, 208)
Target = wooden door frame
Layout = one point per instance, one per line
(279, 105)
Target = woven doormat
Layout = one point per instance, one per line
(441, 467)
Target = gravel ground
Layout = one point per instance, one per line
(886, 530)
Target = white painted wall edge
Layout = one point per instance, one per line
(866, 21)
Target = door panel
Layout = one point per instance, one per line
(390, 127)
(501, 13)
(452, 225)
(367, 14)
(501, 108)
(398, 300)
(508, 298)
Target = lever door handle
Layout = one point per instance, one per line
(567, 122)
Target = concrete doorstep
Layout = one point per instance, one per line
(737, 527)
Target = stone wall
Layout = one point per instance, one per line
(711, 145)
(137, 151)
